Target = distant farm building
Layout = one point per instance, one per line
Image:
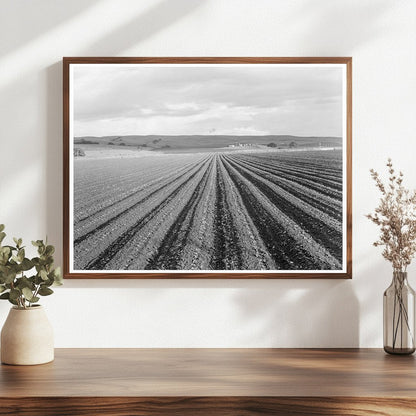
(241, 145)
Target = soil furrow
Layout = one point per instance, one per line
(103, 258)
(132, 207)
(329, 187)
(168, 255)
(314, 198)
(226, 251)
(321, 232)
(236, 210)
(138, 191)
(291, 248)
(273, 235)
(305, 167)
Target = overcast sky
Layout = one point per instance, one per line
(254, 100)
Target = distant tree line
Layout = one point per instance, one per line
(291, 144)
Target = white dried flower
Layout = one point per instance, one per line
(396, 217)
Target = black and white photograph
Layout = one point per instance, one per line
(207, 168)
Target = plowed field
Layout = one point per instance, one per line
(209, 211)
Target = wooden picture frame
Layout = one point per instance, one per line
(147, 125)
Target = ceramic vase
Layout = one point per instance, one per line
(27, 337)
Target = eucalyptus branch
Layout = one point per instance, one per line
(16, 285)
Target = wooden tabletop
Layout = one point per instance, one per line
(217, 374)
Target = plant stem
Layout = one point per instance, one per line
(394, 315)
(401, 314)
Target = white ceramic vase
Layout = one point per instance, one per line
(27, 337)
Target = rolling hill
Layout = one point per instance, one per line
(154, 142)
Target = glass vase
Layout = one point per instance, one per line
(399, 316)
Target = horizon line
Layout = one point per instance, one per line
(210, 135)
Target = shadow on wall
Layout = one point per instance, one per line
(301, 313)
(54, 134)
(155, 19)
(348, 25)
(158, 17)
(375, 276)
(313, 313)
(45, 16)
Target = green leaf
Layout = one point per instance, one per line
(3, 259)
(9, 277)
(2, 288)
(49, 250)
(2, 236)
(15, 293)
(45, 291)
(24, 282)
(48, 260)
(13, 302)
(56, 272)
(48, 282)
(27, 293)
(2, 227)
(5, 250)
(43, 275)
(18, 242)
(7, 296)
(26, 264)
(58, 281)
(37, 243)
(38, 280)
(21, 255)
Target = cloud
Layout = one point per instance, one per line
(267, 99)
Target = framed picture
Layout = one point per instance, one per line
(207, 167)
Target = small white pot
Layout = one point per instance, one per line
(27, 337)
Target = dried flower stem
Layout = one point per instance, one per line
(396, 217)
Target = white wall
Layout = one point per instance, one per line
(380, 35)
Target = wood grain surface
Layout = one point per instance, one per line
(214, 372)
(212, 381)
(208, 406)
